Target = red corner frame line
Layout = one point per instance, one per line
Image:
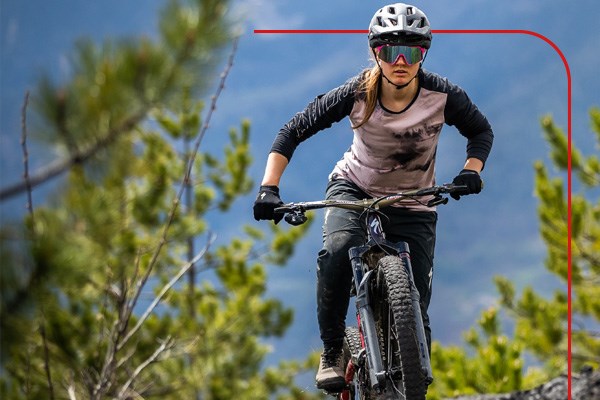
(569, 129)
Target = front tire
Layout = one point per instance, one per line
(396, 327)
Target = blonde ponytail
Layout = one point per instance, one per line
(369, 88)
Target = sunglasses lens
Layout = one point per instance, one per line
(411, 54)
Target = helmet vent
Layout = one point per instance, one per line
(399, 24)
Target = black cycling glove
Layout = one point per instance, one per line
(267, 200)
(471, 180)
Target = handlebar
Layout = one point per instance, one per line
(294, 212)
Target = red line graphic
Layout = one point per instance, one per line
(569, 131)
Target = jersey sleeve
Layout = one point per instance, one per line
(470, 122)
(319, 114)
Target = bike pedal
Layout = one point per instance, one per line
(337, 393)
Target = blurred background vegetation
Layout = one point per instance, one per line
(111, 287)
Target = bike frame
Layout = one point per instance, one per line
(362, 277)
(363, 258)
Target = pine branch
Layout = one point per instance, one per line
(165, 346)
(47, 361)
(26, 156)
(116, 344)
(125, 316)
(591, 258)
(162, 293)
(60, 166)
(584, 357)
(77, 156)
(182, 188)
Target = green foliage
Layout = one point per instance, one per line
(584, 241)
(491, 364)
(229, 177)
(542, 324)
(283, 242)
(496, 362)
(91, 305)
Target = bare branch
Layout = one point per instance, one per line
(116, 344)
(126, 358)
(125, 312)
(26, 155)
(177, 200)
(196, 148)
(71, 392)
(213, 107)
(166, 345)
(58, 167)
(162, 293)
(47, 361)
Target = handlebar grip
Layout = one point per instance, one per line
(281, 210)
(460, 190)
(460, 187)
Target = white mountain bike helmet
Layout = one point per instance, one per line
(402, 24)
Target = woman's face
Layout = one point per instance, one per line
(399, 72)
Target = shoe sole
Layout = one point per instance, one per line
(334, 386)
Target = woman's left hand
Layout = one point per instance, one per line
(471, 180)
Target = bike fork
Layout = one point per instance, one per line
(377, 373)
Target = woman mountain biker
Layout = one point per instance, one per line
(397, 110)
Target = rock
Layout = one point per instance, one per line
(585, 386)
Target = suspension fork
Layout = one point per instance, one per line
(377, 372)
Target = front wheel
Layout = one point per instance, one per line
(396, 327)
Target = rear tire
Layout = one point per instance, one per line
(352, 343)
(396, 326)
(352, 348)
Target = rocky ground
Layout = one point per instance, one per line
(585, 386)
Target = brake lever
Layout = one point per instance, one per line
(437, 200)
(295, 218)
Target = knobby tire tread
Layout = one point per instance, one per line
(352, 341)
(398, 292)
(351, 349)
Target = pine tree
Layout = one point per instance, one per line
(94, 300)
(548, 340)
(494, 362)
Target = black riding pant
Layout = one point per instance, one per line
(341, 231)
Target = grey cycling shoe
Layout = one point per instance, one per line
(330, 376)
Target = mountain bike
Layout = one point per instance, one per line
(386, 355)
